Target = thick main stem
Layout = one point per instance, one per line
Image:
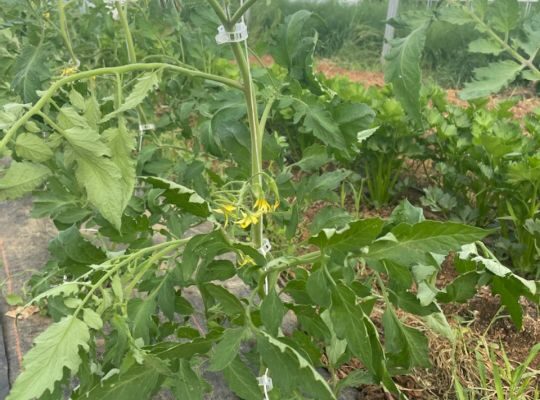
(256, 148)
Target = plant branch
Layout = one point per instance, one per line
(109, 71)
(220, 12)
(522, 60)
(64, 31)
(241, 11)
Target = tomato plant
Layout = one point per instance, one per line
(123, 299)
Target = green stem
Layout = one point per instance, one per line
(220, 12)
(241, 11)
(253, 118)
(64, 31)
(132, 57)
(108, 71)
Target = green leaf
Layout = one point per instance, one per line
(69, 246)
(532, 32)
(182, 197)
(290, 370)
(21, 178)
(187, 384)
(144, 85)
(92, 319)
(354, 237)
(296, 42)
(461, 289)
(402, 69)
(170, 351)
(411, 244)
(320, 123)
(54, 349)
(241, 380)
(227, 349)
(228, 302)
(405, 212)
(272, 312)
(97, 173)
(32, 148)
(317, 287)
(350, 324)
(121, 144)
(138, 381)
(329, 217)
(485, 46)
(491, 79)
(505, 15)
(140, 315)
(313, 157)
(406, 347)
(31, 71)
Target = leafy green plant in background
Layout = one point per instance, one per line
(124, 325)
(502, 35)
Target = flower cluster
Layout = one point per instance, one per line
(242, 216)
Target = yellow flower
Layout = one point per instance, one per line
(69, 71)
(226, 210)
(263, 206)
(47, 15)
(245, 260)
(247, 220)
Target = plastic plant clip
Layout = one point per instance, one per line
(239, 34)
(146, 127)
(266, 247)
(266, 382)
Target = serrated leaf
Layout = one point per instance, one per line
(32, 148)
(136, 382)
(140, 315)
(121, 144)
(354, 237)
(411, 244)
(350, 324)
(92, 319)
(491, 79)
(187, 384)
(402, 69)
(532, 32)
(320, 123)
(228, 302)
(55, 349)
(313, 157)
(32, 71)
(69, 247)
(317, 287)
(290, 370)
(329, 217)
(144, 85)
(242, 381)
(406, 347)
(227, 348)
(21, 178)
(272, 312)
(181, 196)
(169, 351)
(98, 174)
(505, 15)
(485, 46)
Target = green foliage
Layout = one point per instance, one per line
(164, 308)
(21, 178)
(55, 349)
